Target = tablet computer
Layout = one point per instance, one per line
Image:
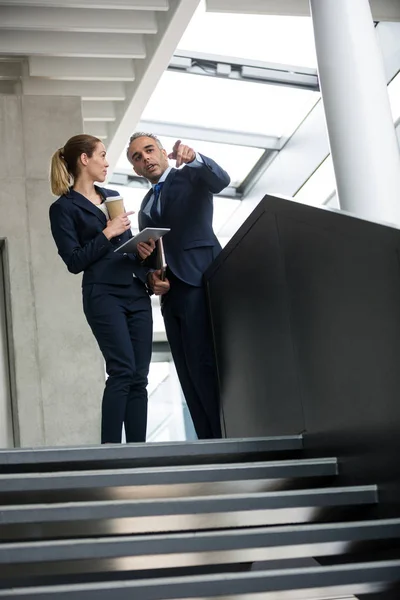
(145, 235)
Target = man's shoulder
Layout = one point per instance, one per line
(181, 175)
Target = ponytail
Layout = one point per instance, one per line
(64, 168)
(60, 178)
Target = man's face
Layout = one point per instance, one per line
(147, 158)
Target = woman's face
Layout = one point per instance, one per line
(96, 166)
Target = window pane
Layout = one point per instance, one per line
(320, 186)
(394, 97)
(288, 40)
(223, 210)
(236, 160)
(228, 104)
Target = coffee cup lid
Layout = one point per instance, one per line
(113, 198)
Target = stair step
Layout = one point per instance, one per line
(289, 584)
(80, 519)
(103, 555)
(160, 482)
(145, 455)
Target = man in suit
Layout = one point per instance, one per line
(182, 199)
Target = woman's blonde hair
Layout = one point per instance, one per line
(64, 162)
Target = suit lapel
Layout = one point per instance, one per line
(84, 203)
(146, 199)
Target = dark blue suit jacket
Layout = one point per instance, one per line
(187, 208)
(77, 225)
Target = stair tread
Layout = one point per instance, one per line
(233, 539)
(344, 579)
(167, 475)
(135, 453)
(278, 499)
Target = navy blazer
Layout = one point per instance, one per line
(77, 226)
(187, 208)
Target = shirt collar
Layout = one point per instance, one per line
(163, 176)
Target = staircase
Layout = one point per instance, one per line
(227, 519)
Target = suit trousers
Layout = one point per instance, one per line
(121, 320)
(188, 328)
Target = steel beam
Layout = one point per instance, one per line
(226, 67)
(219, 136)
(382, 10)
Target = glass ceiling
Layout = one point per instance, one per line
(286, 40)
(228, 104)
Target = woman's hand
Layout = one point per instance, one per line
(146, 249)
(118, 225)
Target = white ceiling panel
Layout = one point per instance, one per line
(82, 69)
(94, 4)
(30, 18)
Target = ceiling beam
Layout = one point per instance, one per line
(88, 90)
(7, 87)
(161, 5)
(99, 130)
(382, 10)
(82, 69)
(195, 56)
(83, 20)
(98, 111)
(148, 72)
(225, 67)
(72, 44)
(219, 136)
(10, 70)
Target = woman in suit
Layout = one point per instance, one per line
(116, 302)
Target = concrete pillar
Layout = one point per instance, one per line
(57, 369)
(360, 127)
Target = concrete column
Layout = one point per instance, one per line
(57, 369)
(361, 133)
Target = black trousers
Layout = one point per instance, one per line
(121, 320)
(188, 330)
